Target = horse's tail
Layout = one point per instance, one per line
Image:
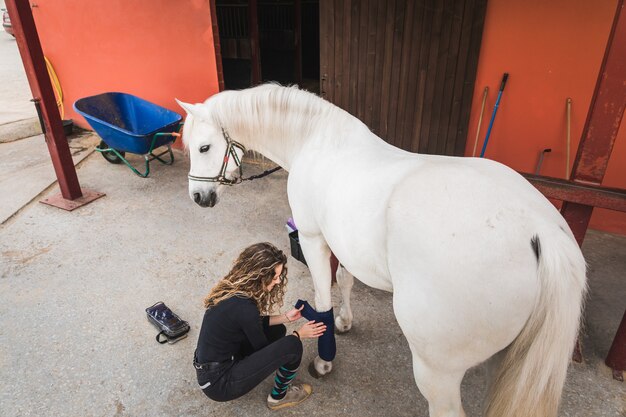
(530, 378)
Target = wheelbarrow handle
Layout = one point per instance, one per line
(175, 134)
(157, 135)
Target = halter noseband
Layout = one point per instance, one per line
(230, 151)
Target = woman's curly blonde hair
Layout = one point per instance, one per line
(253, 270)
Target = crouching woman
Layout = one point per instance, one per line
(240, 344)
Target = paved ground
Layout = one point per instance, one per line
(26, 169)
(13, 85)
(73, 288)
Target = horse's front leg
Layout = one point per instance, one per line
(317, 255)
(345, 280)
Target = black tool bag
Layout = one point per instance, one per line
(170, 325)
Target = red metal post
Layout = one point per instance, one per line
(616, 359)
(41, 87)
(605, 115)
(606, 108)
(253, 19)
(601, 127)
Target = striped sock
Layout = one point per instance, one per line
(282, 380)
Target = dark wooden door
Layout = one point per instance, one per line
(406, 68)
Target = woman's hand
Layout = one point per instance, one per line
(312, 330)
(294, 314)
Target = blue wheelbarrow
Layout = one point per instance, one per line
(127, 123)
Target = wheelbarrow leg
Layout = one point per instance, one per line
(125, 161)
(174, 136)
(147, 158)
(150, 156)
(147, 170)
(164, 161)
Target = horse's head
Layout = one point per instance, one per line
(214, 156)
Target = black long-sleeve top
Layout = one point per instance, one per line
(229, 325)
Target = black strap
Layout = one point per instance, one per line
(161, 341)
(263, 174)
(170, 340)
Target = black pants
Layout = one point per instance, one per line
(233, 379)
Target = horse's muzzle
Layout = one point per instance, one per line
(208, 200)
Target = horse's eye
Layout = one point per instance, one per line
(204, 148)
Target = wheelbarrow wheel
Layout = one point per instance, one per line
(110, 156)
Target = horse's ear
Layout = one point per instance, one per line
(189, 108)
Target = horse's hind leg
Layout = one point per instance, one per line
(343, 321)
(438, 371)
(441, 388)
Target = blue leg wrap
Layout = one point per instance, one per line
(326, 346)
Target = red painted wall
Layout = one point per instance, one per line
(156, 49)
(552, 50)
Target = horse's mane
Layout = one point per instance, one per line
(276, 111)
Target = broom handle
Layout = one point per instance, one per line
(493, 115)
(480, 119)
(569, 131)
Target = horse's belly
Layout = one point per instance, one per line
(362, 253)
(369, 275)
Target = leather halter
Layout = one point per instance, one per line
(230, 151)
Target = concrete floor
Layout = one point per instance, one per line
(26, 168)
(74, 340)
(13, 82)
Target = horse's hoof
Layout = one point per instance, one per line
(323, 368)
(342, 327)
(339, 330)
(313, 372)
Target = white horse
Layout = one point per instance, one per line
(479, 262)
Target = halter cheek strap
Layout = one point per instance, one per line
(230, 151)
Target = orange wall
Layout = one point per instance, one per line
(156, 49)
(162, 49)
(552, 50)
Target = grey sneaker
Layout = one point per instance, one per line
(296, 393)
